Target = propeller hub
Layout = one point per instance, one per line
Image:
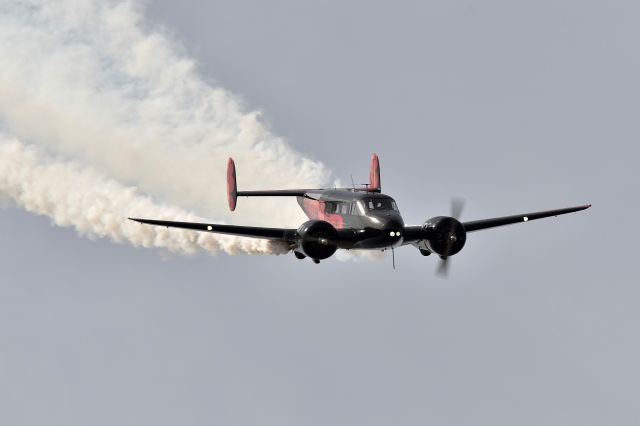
(317, 239)
(444, 235)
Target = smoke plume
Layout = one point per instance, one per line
(105, 117)
(73, 195)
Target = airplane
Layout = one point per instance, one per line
(357, 218)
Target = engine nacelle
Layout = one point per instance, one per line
(444, 235)
(317, 239)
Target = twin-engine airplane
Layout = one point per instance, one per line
(357, 218)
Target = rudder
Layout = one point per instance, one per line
(232, 186)
(374, 174)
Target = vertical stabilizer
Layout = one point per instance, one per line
(374, 174)
(232, 187)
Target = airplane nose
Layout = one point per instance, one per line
(394, 227)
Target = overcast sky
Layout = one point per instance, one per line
(515, 106)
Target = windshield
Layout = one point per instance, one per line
(380, 204)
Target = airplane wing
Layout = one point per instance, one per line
(478, 225)
(412, 234)
(282, 234)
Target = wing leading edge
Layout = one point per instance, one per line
(282, 234)
(478, 225)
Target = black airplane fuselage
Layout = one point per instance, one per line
(364, 220)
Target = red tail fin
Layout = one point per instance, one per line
(232, 187)
(374, 174)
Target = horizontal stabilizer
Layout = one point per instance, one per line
(276, 193)
(233, 193)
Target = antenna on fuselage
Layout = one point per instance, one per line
(352, 182)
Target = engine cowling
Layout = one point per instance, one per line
(317, 239)
(444, 235)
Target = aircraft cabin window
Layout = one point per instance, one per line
(380, 204)
(357, 208)
(330, 206)
(336, 207)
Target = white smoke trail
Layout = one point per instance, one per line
(125, 113)
(73, 195)
(89, 81)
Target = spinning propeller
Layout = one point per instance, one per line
(457, 205)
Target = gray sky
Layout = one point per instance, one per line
(516, 106)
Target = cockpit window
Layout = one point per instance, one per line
(380, 204)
